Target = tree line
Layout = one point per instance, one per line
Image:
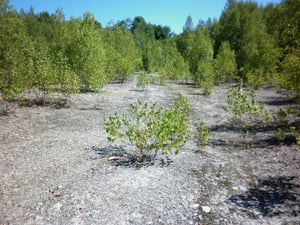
(259, 44)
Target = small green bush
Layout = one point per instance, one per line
(203, 134)
(247, 113)
(287, 128)
(244, 108)
(151, 128)
(280, 136)
(160, 79)
(295, 134)
(142, 80)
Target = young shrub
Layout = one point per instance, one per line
(205, 78)
(225, 64)
(150, 128)
(295, 134)
(203, 134)
(16, 50)
(245, 109)
(280, 136)
(142, 80)
(182, 105)
(286, 126)
(289, 77)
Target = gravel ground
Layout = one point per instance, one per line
(57, 168)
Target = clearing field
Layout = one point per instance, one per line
(56, 166)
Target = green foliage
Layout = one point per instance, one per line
(285, 25)
(15, 57)
(55, 69)
(295, 134)
(182, 105)
(282, 133)
(122, 55)
(43, 72)
(159, 79)
(201, 50)
(86, 53)
(149, 47)
(154, 56)
(188, 26)
(280, 136)
(173, 65)
(286, 126)
(159, 53)
(260, 58)
(142, 80)
(244, 108)
(203, 133)
(289, 77)
(140, 26)
(197, 49)
(48, 52)
(225, 67)
(205, 76)
(161, 32)
(243, 26)
(150, 128)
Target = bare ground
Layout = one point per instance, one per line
(57, 168)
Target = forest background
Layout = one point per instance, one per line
(259, 44)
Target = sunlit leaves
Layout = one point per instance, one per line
(172, 64)
(226, 68)
(290, 77)
(244, 108)
(243, 26)
(87, 53)
(151, 128)
(15, 56)
(122, 55)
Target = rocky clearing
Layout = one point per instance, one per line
(56, 166)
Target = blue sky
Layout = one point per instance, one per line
(172, 13)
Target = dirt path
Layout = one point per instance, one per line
(55, 167)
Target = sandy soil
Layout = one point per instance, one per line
(56, 169)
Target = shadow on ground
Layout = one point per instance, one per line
(254, 142)
(120, 156)
(258, 137)
(271, 197)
